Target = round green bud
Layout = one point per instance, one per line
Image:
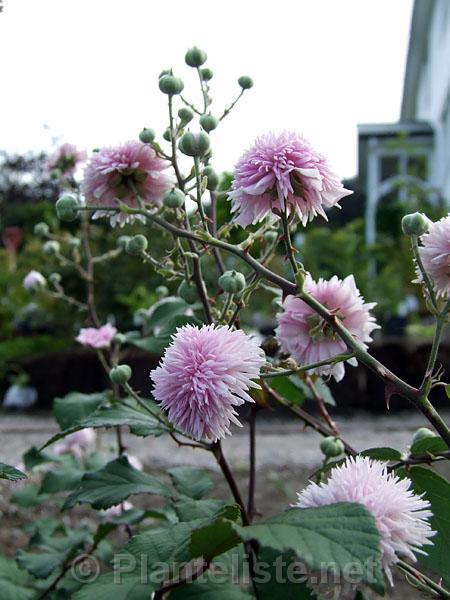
(147, 136)
(119, 339)
(51, 247)
(54, 278)
(194, 144)
(332, 446)
(195, 57)
(165, 72)
(41, 229)
(188, 292)
(245, 82)
(213, 178)
(206, 74)
(186, 115)
(422, 433)
(232, 282)
(66, 208)
(170, 85)
(74, 242)
(122, 241)
(120, 374)
(55, 174)
(174, 198)
(161, 291)
(415, 224)
(137, 245)
(270, 236)
(208, 122)
(167, 135)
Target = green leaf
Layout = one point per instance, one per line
(383, 453)
(360, 596)
(291, 388)
(210, 590)
(214, 539)
(61, 480)
(14, 582)
(280, 576)
(28, 496)
(75, 407)
(429, 445)
(164, 310)
(191, 482)
(189, 509)
(339, 534)
(113, 484)
(158, 343)
(33, 458)
(119, 586)
(324, 390)
(437, 492)
(11, 473)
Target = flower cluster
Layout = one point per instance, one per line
(96, 338)
(435, 255)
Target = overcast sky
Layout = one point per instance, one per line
(86, 71)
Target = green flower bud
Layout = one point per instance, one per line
(137, 245)
(147, 136)
(195, 57)
(422, 433)
(270, 236)
(415, 224)
(188, 292)
(41, 229)
(74, 242)
(213, 178)
(120, 374)
(332, 446)
(55, 174)
(167, 135)
(161, 291)
(66, 208)
(186, 115)
(194, 144)
(232, 282)
(170, 85)
(208, 122)
(206, 74)
(122, 241)
(245, 82)
(174, 198)
(119, 339)
(165, 72)
(54, 278)
(51, 247)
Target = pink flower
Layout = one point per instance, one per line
(435, 255)
(283, 171)
(97, 338)
(309, 339)
(65, 160)
(400, 515)
(112, 174)
(34, 280)
(203, 375)
(76, 443)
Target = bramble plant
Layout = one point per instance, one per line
(366, 515)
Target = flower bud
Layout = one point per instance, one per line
(55, 174)
(415, 224)
(194, 144)
(66, 208)
(195, 57)
(137, 245)
(74, 242)
(188, 292)
(147, 136)
(51, 247)
(332, 446)
(174, 198)
(165, 72)
(208, 122)
(119, 339)
(167, 135)
(120, 374)
(270, 236)
(232, 282)
(186, 115)
(161, 291)
(206, 74)
(212, 177)
(122, 241)
(422, 433)
(54, 278)
(41, 229)
(245, 82)
(170, 85)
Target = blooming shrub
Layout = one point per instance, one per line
(366, 515)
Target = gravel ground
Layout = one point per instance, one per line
(286, 456)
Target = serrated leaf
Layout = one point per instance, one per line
(11, 473)
(28, 496)
(158, 343)
(189, 509)
(291, 388)
(383, 453)
(275, 577)
(113, 484)
(214, 539)
(75, 407)
(190, 481)
(164, 310)
(61, 480)
(14, 582)
(119, 586)
(33, 458)
(208, 589)
(429, 445)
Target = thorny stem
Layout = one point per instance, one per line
(198, 185)
(290, 250)
(305, 368)
(423, 579)
(226, 307)
(230, 108)
(216, 449)
(426, 278)
(322, 407)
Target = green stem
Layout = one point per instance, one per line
(290, 250)
(226, 306)
(426, 278)
(303, 368)
(198, 186)
(423, 579)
